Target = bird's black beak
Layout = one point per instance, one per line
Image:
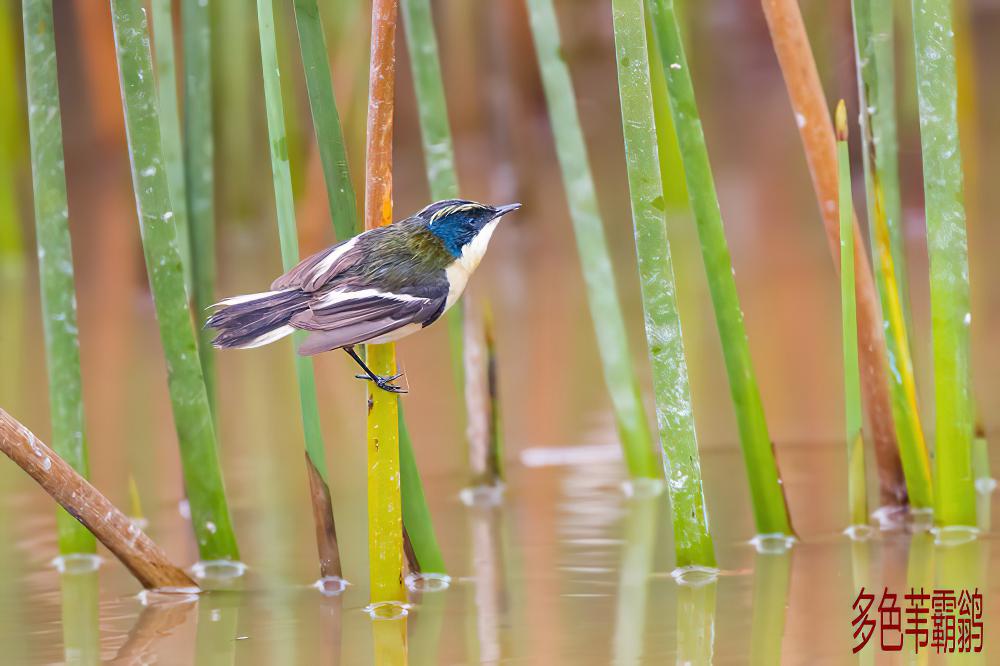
(503, 210)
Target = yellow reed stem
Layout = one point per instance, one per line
(385, 514)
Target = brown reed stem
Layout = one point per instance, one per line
(147, 562)
(791, 45)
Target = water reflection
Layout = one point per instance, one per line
(696, 622)
(772, 573)
(158, 619)
(390, 642)
(489, 590)
(80, 618)
(641, 518)
(218, 614)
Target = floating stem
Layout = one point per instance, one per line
(189, 398)
(671, 389)
(873, 30)
(385, 523)
(326, 533)
(949, 263)
(770, 510)
(857, 501)
(87, 505)
(602, 294)
(55, 257)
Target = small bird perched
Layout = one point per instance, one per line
(379, 286)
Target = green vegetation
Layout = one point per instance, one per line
(326, 120)
(11, 144)
(199, 151)
(189, 398)
(170, 127)
(602, 295)
(439, 154)
(857, 500)
(770, 510)
(671, 389)
(949, 266)
(416, 513)
(285, 210)
(55, 258)
(873, 28)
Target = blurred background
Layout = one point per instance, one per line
(550, 378)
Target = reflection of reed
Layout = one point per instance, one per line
(215, 643)
(770, 597)
(634, 569)
(489, 590)
(156, 621)
(390, 642)
(695, 623)
(960, 568)
(919, 575)
(425, 632)
(81, 632)
(861, 574)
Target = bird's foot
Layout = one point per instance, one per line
(385, 383)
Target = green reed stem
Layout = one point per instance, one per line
(55, 257)
(949, 264)
(170, 127)
(432, 107)
(188, 395)
(416, 512)
(326, 120)
(11, 143)
(873, 31)
(876, 58)
(442, 178)
(602, 295)
(199, 170)
(768, 499)
(435, 132)
(285, 208)
(671, 389)
(857, 500)
(234, 67)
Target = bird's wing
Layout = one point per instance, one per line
(348, 317)
(312, 273)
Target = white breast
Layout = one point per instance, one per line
(461, 269)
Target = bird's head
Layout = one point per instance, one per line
(464, 226)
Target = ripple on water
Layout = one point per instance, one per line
(387, 610)
(428, 582)
(77, 563)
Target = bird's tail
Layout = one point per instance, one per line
(253, 320)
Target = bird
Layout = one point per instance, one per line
(379, 286)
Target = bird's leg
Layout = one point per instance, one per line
(384, 383)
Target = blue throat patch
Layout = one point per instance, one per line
(455, 231)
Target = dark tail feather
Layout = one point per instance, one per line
(256, 319)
